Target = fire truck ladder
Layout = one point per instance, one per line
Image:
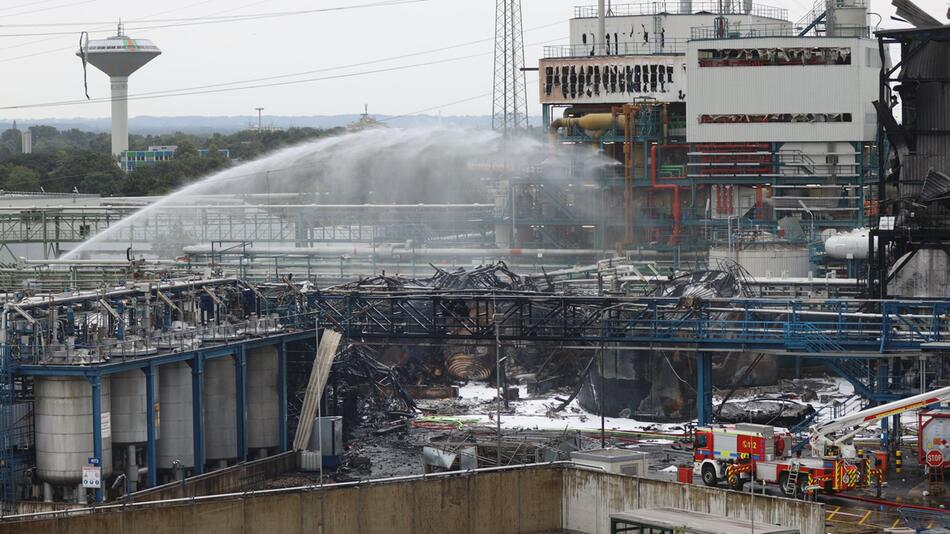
(791, 484)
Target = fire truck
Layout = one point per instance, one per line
(739, 453)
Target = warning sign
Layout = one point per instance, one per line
(91, 476)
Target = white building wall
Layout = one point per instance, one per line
(783, 89)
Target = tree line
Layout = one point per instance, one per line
(77, 161)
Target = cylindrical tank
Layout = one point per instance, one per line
(765, 259)
(852, 245)
(846, 18)
(63, 421)
(219, 409)
(177, 440)
(129, 413)
(644, 385)
(263, 398)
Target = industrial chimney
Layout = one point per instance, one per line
(119, 56)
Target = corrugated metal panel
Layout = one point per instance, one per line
(931, 103)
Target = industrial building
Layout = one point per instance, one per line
(736, 132)
(725, 269)
(132, 159)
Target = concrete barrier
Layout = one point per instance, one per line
(510, 500)
(241, 477)
(591, 496)
(503, 501)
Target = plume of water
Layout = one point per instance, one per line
(377, 166)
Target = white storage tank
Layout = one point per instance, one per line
(130, 409)
(851, 245)
(263, 398)
(176, 421)
(765, 258)
(220, 412)
(63, 428)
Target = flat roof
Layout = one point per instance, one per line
(934, 33)
(696, 522)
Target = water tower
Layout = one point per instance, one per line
(119, 56)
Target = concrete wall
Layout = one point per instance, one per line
(509, 500)
(590, 497)
(502, 501)
(241, 477)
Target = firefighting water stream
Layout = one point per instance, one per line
(384, 166)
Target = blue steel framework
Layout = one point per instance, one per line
(853, 342)
(196, 360)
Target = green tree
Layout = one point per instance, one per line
(20, 178)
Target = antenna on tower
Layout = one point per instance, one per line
(509, 107)
(121, 29)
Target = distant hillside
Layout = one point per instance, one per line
(207, 125)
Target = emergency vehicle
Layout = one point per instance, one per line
(738, 453)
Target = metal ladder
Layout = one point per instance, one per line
(792, 483)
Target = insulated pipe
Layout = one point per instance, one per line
(592, 122)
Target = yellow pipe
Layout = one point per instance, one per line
(597, 122)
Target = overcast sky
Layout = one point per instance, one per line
(43, 68)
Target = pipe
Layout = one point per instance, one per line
(592, 122)
(394, 251)
(677, 228)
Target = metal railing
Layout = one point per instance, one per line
(171, 341)
(752, 31)
(666, 46)
(675, 7)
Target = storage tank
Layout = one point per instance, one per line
(765, 258)
(130, 410)
(220, 411)
(846, 18)
(263, 399)
(176, 421)
(850, 245)
(63, 428)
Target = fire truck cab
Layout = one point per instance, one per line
(718, 452)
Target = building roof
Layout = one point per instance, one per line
(696, 522)
(935, 33)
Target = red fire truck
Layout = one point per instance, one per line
(738, 453)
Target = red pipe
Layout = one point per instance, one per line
(672, 187)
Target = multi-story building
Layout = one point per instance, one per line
(728, 123)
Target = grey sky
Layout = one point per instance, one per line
(39, 69)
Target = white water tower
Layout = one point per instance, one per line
(119, 56)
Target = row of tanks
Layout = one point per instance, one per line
(64, 425)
